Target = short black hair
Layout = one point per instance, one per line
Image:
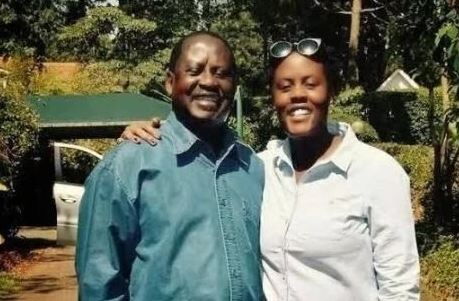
(178, 48)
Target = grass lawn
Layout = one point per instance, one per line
(9, 283)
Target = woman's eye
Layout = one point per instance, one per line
(311, 85)
(284, 87)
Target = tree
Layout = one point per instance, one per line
(446, 138)
(30, 28)
(18, 132)
(108, 33)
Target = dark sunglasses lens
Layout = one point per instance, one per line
(308, 47)
(281, 49)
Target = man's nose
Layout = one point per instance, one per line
(208, 79)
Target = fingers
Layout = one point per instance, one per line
(128, 135)
(143, 130)
(155, 133)
(145, 135)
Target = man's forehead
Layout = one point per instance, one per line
(201, 42)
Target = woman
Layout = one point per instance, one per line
(336, 218)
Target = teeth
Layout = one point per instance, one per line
(299, 112)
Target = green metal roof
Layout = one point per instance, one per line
(99, 115)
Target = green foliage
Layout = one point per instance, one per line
(263, 122)
(439, 271)
(241, 32)
(447, 45)
(106, 77)
(416, 160)
(108, 33)
(173, 18)
(30, 27)
(400, 117)
(248, 135)
(350, 101)
(77, 165)
(347, 107)
(18, 130)
(8, 284)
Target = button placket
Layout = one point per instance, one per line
(229, 238)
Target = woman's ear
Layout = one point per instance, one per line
(169, 83)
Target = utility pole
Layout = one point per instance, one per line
(238, 98)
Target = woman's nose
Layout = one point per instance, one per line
(298, 94)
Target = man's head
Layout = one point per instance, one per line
(201, 78)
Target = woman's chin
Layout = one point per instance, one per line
(298, 131)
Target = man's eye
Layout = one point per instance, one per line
(193, 71)
(222, 73)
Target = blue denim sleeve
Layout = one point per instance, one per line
(107, 237)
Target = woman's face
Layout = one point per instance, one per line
(300, 95)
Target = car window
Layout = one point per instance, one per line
(76, 165)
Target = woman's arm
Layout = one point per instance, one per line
(395, 254)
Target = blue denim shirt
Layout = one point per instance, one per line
(172, 222)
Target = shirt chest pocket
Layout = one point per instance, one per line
(328, 213)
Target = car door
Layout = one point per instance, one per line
(72, 165)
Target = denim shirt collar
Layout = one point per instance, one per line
(184, 139)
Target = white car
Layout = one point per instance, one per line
(68, 187)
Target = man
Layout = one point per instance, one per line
(179, 221)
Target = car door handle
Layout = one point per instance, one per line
(68, 199)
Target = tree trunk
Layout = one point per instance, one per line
(444, 92)
(353, 71)
(438, 195)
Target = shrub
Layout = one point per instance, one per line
(349, 102)
(417, 160)
(347, 107)
(439, 270)
(401, 117)
(76, 165)
(18, 132)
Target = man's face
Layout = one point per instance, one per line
(202, 84)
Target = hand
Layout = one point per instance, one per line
(145, 130)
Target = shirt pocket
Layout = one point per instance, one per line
(328, 214)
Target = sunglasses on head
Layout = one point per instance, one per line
(306, 47)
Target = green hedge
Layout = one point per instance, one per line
(401, 117)
(398, 117)
(440, 272)
(347, 107)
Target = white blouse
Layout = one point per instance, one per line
(344, 232)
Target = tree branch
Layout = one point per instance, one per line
(365, 10)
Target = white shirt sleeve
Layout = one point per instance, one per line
(395, 255)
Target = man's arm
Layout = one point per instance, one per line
(107, 237)
(395, 255)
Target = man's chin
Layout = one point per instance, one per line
(203, 119)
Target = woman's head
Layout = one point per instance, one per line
(301, 88)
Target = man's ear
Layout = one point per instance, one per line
(169, 83)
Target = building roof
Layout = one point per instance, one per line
(399, 81)
(92, 116)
